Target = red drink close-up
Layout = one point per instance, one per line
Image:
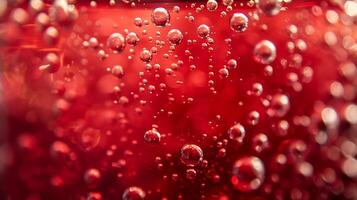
(161, 100)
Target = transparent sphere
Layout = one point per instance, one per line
(238, 22)
(116, 42)
(152, 136)
(264, 52)
(212, 5)
(236, 132)
(175, 36)
(160, 17)
(134, 193)
(279, 106)
(269, 7)
(203, 30)
(248, 174)
(191, 155)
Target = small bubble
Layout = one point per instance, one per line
(297, 150)
(51, 63)
(350, 113)
(19, 15)
(89, 138)
(282, 127)
(160, 17)
(146, 55)
(174, 177)
(268, 70)
(102, 55)
(349, 167)
(257, 89)
(191, 155)
(116, 42)
(238, 22)
(232, 64)
(176, 9)
(3, 8)
(152, 136)
(134, 193)
(51, 35)
(60, 150)
(118, 71)
(92, 177)
(94, 196)
(175, 36)
(42, 20)
(227, 2)
(132, 38)
(330, 117)
(221, 153)
(128, 1)
(260, 142)
(138, 22)
(264, 52)
(305, 169)
(223, 73)
(191, 174)
(279, 105)
(269, 7)
(203, 30)
(248, 174)
(237, 133)
(253, 118)
(212, 5)
(93, 42)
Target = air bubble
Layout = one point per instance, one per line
(264, 52)
(132, 38)
(92, 177)
(232, 64)
(203, 30)
(51, 63)
(191, 155)
(223, 73)
(227, 2)
(238, 22)
(51, 35)
(128, 1)
(257, 89)
(191, 174)
(116, 42)
(176, 9)
(60, 150)
(253, 118)
(248, 174)
(212, 5)
(94, 196)
(146, 56)
(152, 136)
(175, 36)
(237, 133)
(160, 17)
(279, 105)
(118, 71)
(134, 193)
(138, 22)
(260, 142)
(269, 7)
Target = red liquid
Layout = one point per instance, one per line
(71, 135)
